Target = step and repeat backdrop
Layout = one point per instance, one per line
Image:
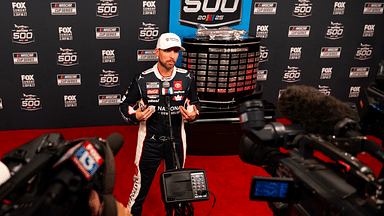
(335, 46)
(67, 63)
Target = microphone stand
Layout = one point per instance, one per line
(175, 157)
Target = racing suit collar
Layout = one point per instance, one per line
(161, 77)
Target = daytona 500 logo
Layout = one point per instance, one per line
(211, 13)
(67, 57)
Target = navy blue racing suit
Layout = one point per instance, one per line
(152, 89)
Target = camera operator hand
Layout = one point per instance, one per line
(96, 207)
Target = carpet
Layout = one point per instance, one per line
(229, 179)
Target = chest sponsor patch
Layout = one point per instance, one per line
(152, 91)
(152, 85)
(178, 98)
(177, 85)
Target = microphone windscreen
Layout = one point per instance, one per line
(115, 141)
(313, 110)
(4, 173)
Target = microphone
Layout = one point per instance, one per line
(314, 111)
(89, 154)
(167, 91)
(115, 141)
(85, 156)
(326, 115)
(4, 173)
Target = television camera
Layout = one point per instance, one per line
(52, 176)
(371, 106)
(301, 182)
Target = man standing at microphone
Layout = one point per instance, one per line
(146, 101)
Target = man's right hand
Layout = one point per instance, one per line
(143, 113)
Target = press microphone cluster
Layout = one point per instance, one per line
(52, 176)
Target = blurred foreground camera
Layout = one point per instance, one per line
(52, 176)
(371, 106)
(301, 183)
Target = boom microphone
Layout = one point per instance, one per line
(326, 115)
(314, 111)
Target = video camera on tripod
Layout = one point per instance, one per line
(52, 176)
(301, 183)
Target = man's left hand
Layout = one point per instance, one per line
(188, 115)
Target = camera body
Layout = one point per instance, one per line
(301, 183)
(53, 176)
